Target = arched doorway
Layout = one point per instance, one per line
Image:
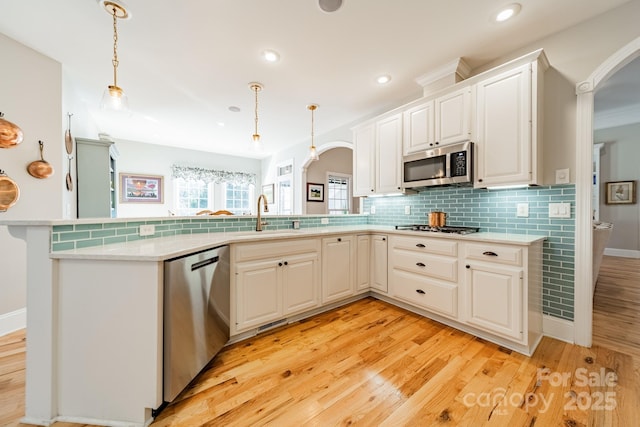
(583, 299)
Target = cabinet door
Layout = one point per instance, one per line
(503, 126)
(301, 282)
(338, 268)
(364, 160)
(94, 178)
(363, 263)
(389, 154)
(379, 264)
(419, 132)
(453, 116)
(259, 292)
(494, 299)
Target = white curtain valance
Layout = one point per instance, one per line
(189, 173)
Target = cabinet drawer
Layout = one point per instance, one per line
(509, 255)
(429, 265)
(424, 292)
(423, 244)
(256, 250)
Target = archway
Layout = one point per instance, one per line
(583, 296)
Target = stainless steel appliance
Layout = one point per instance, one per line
(445, 229)
(448, 165)
(196, 315)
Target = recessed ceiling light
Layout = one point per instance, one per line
(234, 109)
(271, 56)
(507, 12)
(383, 79)
(330, 5)
(221, 124)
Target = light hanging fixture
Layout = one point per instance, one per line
(114, 97)
(256, 87)
(313, 153)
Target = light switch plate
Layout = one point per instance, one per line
(559, 210)
(324, 221)
(562, 176)
(522, 210)
(147, 230)
(373, 209)
(407, 210)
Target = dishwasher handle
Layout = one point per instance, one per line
(200, 264)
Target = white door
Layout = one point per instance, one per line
(453, 116)
(389, 154)
(379, 279)
(301, 282)
(364, 160)
(259, 292)
(338, 268)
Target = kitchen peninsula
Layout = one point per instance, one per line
(95, 313)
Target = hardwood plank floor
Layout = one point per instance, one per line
(373, 364)
(616, 305)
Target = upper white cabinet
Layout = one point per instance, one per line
(378, 156)
(440, 121)
(508, 125)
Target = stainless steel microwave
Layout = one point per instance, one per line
(448, 165)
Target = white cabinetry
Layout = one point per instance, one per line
(338, 268)
(497, 277)
(378, 156)
(379, 262)
(363, 269)
(440, 121)
(424, 273)
(273, 280)
(95, 178)
(508, 126)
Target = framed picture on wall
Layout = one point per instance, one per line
(315, 192)
(141, 188)
(621, 192)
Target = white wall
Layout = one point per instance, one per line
(619, 162)
(142, 158)
(31, 88)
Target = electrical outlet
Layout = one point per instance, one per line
(147, 230)
(559, 210)
(324, 221)
(562, 176)
(407, 210)
(373, 209)
(522, 210)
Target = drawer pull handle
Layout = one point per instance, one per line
(420, 291)
(420, 264)
(420, 245)
(489, 253)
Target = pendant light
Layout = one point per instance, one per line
(256, 87)
(313, 153)
(114, 97)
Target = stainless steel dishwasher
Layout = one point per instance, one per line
(196, 315)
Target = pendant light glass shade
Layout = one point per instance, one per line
(313, 153)
(114, 98)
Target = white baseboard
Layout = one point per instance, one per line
(557, 328)
(13, 321)
(625, 253)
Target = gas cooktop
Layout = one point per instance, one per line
(445, 229)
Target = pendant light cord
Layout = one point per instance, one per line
(255, 89)
(114, 61)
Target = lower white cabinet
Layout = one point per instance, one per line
(269, 288)
(338, 267)
(379, 262)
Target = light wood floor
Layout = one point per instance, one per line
(616, 305)
(373, 364)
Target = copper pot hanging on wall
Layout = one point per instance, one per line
(10, 134)
(40, 168)
(437, 219)
(9, 192)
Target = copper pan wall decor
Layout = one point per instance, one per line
(10, 133)
(40, 168)
(9, 192)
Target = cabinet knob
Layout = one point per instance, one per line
(467, 266)
(480, 180)
(339, 239)
(279, 264)
(286, 263)
(420, 264)
(489, 253)
(372, 190)
(437, 143)
(384, 239)
(420, 291)
(420, 245)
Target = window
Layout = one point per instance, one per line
(338, 194)
(284, 183)
(192, 197)
(238, 198)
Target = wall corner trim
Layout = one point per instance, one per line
(13, 321)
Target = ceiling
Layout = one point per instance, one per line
(183, 64)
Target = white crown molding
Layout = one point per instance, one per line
(616, 117)
(455, 67)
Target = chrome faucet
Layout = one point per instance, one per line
(259, 222)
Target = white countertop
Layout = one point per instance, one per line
(164, 248)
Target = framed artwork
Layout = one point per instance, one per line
(267, 190)
(315, 192)
(141, 188)
(621, 192)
